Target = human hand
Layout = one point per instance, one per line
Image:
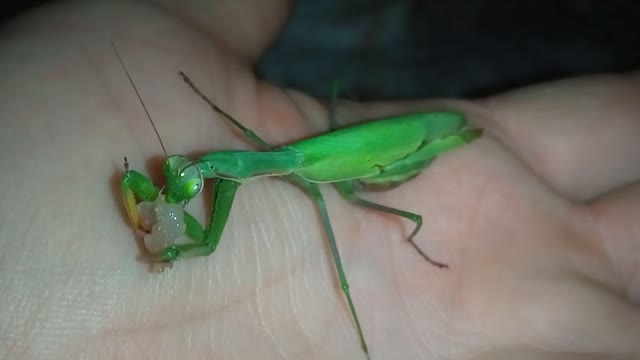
(533, 218)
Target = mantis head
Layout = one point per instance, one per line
(184, 179)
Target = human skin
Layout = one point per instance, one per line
(538, 219)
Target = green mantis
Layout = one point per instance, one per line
(380, 154)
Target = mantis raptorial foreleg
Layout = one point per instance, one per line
(224, 192)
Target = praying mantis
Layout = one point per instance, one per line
(379, 154)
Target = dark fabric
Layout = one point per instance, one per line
(420, 48)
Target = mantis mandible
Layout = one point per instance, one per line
(381, 154)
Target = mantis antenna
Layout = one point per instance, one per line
(164, 150)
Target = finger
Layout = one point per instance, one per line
(580, 135)
(244, 28)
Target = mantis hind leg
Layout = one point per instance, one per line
(314, 191)
(345, 189)
(333, 106)
(337, 87)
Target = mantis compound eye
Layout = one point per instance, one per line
(192, 188)
(184, 179)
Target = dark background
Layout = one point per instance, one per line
(420, 48)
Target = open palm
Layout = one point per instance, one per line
(535, 219)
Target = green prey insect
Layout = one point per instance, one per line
(380, 154)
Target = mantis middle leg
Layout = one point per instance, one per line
(313, 189)
(248, 132)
